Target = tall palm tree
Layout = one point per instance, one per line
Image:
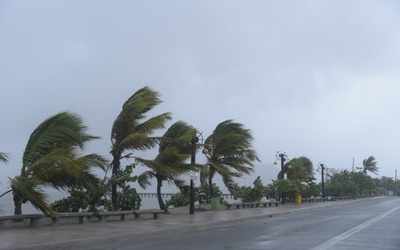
(52, 159)
(175, 148)
(369, 165)
(230, 154)
(132, 132)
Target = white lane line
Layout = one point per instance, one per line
(352, 231)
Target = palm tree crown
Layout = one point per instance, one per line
(52, 159)
(230, 154)
(300, 169)
(370, 165)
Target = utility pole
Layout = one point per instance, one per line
(192, 161)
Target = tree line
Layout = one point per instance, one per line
(53, 158)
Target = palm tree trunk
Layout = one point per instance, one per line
(17, 204)
(210, 184)
(159, 197)
(116, 165)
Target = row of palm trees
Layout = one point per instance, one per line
(53, 156)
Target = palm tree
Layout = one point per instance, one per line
(52, 159)
(131, 132)
(230, 154)
(300, 169)
(175, 148)
(370, 165)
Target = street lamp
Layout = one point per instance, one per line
(194, 141)
(322, 180)
(282, 157)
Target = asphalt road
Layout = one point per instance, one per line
(370, 224)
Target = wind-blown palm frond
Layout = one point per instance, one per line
(62, 130)
(144, 178)
(178, 182)
(3, 157)
(230, 152)
(130, 130)
(26, 186)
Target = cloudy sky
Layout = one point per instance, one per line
(311, 78)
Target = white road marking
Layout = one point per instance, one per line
(343, 236)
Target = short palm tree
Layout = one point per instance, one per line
(369, 165)
(132, 132)
(230, 154)
(300, 169)
(52, 159)
(175, 149)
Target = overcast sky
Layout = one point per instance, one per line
(311, 78)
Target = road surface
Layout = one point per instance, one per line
(370, 224)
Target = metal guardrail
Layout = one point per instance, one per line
(168, 195)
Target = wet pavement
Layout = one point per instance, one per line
(92, 234)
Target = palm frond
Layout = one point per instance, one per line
(137, 141)
(62, 130)
(144, 178)
(63, 168)
(179, 183)
(27, 188)
(230, 183)
(3, 157)
(94, 161)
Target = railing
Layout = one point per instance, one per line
(168, 195)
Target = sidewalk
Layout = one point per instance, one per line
(69, 236)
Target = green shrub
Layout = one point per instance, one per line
(202, 196)
(178, 200)
(252, 194)
(97, 199)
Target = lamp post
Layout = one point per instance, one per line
(192, 161)
(282, 157)
(395, 180)
(322, 180)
